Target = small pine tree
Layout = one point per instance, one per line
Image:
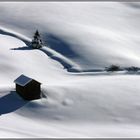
(36, 42)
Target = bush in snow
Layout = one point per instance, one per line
(113, 68)
(132, 69)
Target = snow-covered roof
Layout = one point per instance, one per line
(22, 80)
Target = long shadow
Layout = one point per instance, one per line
(22, 48)
(11, 102)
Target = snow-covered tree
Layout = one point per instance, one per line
(36, 42)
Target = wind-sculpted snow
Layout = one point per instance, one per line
(80, 40)
(71, 105)
(67, 63)
(92, 35)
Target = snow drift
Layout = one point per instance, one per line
(78, 37)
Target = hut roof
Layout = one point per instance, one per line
(22, 80)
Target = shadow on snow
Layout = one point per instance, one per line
(11, 102)
(59, 45)
(22, 48)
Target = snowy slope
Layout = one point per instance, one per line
(18, 59)
(80, 28)
(77, 36)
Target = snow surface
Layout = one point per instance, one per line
(79, 39)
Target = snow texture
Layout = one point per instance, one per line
(79, 40)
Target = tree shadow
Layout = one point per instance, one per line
(22, 48)
(11, 102)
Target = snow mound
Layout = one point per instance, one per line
(92, 35)
(79, 37)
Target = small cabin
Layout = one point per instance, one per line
(28, 88)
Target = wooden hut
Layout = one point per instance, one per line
(28, 88)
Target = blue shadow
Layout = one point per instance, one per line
(11, 102)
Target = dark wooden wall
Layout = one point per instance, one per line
(30, 91)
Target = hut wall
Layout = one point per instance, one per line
(33, 89)
(21, 90)
(30, 91)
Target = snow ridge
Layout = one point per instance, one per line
(67, 63)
